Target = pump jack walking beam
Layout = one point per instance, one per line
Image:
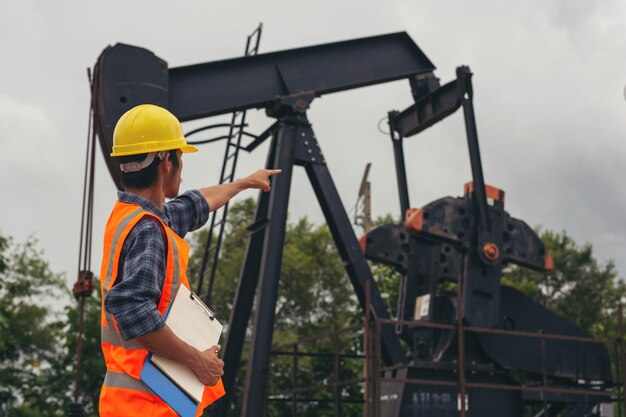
(126, 76)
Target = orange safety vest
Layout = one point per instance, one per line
(123, 393)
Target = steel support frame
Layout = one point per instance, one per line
(431, 107)
(293, 143)
(466, 95)
(209, 89)
(255, 387)
(398, 153)
(246, 288)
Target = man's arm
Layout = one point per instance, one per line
(207, 366)
(218, 195)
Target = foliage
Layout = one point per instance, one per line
(38, 338)
(30, 331)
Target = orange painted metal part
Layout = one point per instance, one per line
(492, 192)
(363, 242)
(491, 251)
(549, 263)
(414, 219)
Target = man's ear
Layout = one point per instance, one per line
(165, 166)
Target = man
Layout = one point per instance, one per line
(145, 260)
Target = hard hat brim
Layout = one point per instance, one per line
(135, 149)
(189, 149)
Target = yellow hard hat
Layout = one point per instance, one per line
(148, 128)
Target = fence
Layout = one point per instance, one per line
(370, 383)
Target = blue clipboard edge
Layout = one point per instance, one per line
(165, 388)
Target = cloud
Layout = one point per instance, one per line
(30, 140)
(15, 112)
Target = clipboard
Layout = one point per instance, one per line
(177, 385)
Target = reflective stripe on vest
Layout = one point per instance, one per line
(121, 380)
(116, 237)
(176, 277)
(109, 335)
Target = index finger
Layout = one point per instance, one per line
(274, 171)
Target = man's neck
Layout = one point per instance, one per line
(153, 194)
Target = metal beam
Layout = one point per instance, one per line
(268, 273)
(427, 110)
(126, 76)
(246, 289)
(398, 154)
(219, 87)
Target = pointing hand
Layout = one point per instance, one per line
(261, 179)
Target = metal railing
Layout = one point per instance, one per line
(374, 371)
(374, 379)
(295, 394)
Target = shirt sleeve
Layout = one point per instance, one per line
(135, 295)
(187, 212)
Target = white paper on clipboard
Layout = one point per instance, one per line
(194, 323)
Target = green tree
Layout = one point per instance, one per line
(38, 339)
(30, 330)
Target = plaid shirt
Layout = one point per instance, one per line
(134, 297)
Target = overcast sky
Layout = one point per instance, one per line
(549, 80)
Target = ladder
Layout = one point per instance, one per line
(227, 175)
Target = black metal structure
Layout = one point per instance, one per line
(463, 242)
(284, 83)
(452, 252)
(202, 90)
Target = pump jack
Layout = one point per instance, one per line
(464, 241)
